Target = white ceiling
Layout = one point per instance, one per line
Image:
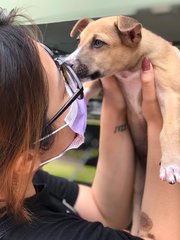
(48, 11)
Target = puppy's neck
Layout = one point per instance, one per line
(136, 65)
(153, 47)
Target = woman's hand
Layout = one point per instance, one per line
(150, 106)
(113, 93)
(110, 87)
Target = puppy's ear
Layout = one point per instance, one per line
(80, 25)
(129, 30)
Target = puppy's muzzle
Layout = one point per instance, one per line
(81, 70)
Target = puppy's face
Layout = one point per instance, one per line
(103, 48)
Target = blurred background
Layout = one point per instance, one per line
(56, 18)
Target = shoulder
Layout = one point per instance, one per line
(60, 187)
(69, 228)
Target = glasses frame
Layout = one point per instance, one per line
(78, 94)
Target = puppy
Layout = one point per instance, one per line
(116, 46)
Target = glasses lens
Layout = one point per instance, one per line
(68, 79)
(74, 84)
(72, 80)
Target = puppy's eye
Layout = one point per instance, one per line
(97, 43)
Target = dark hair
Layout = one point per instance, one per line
(23, 106)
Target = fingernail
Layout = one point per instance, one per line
(146, 64)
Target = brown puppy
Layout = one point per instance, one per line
(116, 46)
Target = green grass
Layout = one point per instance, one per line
(94, 122)
(72, 171)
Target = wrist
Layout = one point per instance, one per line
(114, 104)
(154, 127)
(114, 113)
(153, 132)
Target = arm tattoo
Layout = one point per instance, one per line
(120, 128)
(146, 225)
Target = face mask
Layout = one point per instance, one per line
(76, 119)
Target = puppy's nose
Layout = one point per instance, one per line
(69, 62)
(81, 70)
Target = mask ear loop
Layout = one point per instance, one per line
(52, 159)
(54, 132)
(68, 148)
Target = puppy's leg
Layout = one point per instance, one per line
(92, 89)
(137, 198)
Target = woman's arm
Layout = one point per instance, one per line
(161, 201)
(110, 198)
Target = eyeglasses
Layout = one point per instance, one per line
(71, 80)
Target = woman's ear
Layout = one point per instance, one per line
(27, 161)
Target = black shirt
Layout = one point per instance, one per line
(53, 217)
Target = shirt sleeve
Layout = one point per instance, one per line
(80, 229)
(58, 186)
(96, 231)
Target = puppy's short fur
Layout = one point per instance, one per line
(117, 45)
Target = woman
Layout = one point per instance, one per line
(42, 116)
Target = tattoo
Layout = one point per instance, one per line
(146, 223)
(149, 235)
(120, 128)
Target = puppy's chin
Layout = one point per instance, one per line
(87, 79)
(91, 77)
(95, 75)
(83, 80)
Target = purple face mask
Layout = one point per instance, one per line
(76, 119)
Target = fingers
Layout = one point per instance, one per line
(150, 106)
(112, 93)
(110, 83)
(147, 78)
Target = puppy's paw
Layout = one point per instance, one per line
(92, 88)
(170, 172)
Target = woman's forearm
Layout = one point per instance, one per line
(113, 183)
(109, 200)
(160, 206)
(160, 209)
